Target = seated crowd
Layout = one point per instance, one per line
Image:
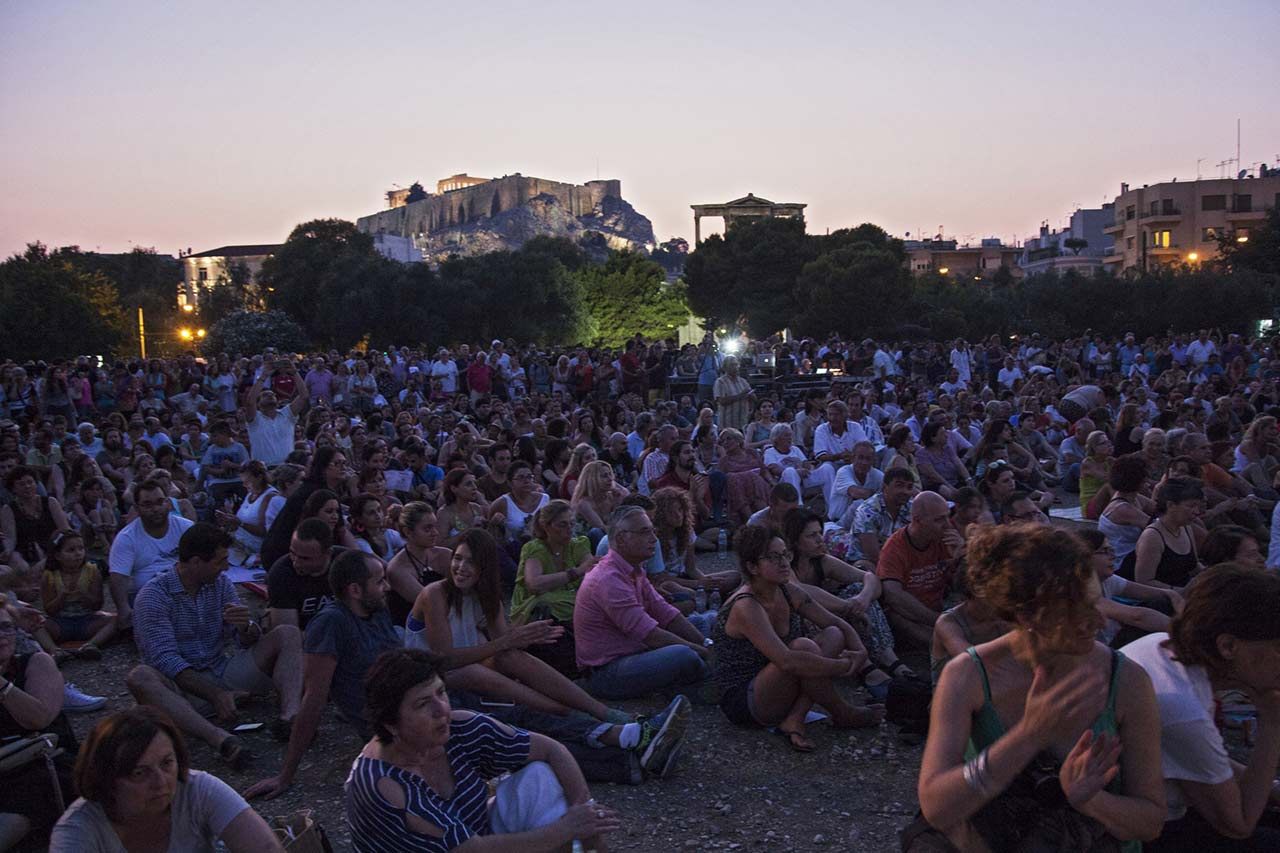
(470, 556)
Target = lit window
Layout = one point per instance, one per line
(1161, 239)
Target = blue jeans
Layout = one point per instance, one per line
(633, 676)
(1071, 482)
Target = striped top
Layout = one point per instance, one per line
(479, 749)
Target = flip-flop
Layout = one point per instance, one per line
(233, 751)
(901, 670)
(797, 741)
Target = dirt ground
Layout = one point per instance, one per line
(734, 789)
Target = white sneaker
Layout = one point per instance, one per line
(75, 702)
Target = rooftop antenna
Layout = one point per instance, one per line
(1199, 160)
(1237, 143)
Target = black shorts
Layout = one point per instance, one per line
(736, 705)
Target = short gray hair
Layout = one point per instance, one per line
(618, 518)
(778, 429)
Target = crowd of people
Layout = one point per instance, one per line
(1054, 559)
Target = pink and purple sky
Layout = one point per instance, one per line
(177, 124)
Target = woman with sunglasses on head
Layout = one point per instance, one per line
(770, 673)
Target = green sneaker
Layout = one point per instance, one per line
(660, 737)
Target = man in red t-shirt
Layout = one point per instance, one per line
(915, 569)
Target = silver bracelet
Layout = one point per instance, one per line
(976, 774)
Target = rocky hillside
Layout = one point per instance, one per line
(614, 222)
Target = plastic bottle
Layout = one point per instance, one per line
(714, 601)
(722, 541)
(700, 600)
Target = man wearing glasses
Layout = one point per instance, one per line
(630, 641)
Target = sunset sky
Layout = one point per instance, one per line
(175, 124)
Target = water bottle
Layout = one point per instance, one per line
(722, 541)
(700, 600)
(715, 601)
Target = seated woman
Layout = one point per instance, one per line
(1095, 474)
(251, 520)
(1045, 701)
(1129, 511)
(1226, 635)
(138, 792)
(72, 597)
(31, 693)
(1231, 543)
(850, 592)
(422, 782)
(595, 498)
(462, 506)
(1126, 622)
(969, 623)
(324, 505)
(579, 458)
(461, 619)
(552, 565)
(421, 561)
(747, 481)
(939, 465)
(673, 523)
(769, 672)
(758, 433)
(369, 527)
(93, 513)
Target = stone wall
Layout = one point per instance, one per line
(470, 204)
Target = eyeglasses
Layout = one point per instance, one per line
(645, 532)
(523, 478)
(779, 558)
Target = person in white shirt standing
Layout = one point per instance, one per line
(270, 428)
(961, 362)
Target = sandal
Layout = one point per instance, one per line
(879, 691)
(899, 669)
(796, 740)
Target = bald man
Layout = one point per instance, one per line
(916, 567)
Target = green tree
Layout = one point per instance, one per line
(1260, 252)
(860, 288)
(329, 278)
(246, 332)
(232, 291)
(748, 277)
(416, 193)
(628, 294)
(54, 310)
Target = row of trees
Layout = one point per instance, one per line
(770, 275)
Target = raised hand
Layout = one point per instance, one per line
(1090, 766)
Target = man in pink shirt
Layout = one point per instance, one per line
(630, 641)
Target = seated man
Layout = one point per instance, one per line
(298, 583)
(1021, 508)
(629, 640)
(855, 482)
(146, 547)
(782, 499)
(880, 516)
(787, 462)
(184, 617)
(915, 568)
(353, 629)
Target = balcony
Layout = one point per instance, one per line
(1169, 215)
(1172, 249)
(1256, 215)
(1114, 228)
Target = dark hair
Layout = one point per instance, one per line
(750, 544)
(783, 493)
(1176, 490)
(393, 674)
(1128, 473)
(1092, 537)
(114, 747)
(495, 449)
(451, 482)
(320, 462)
(1225, 599)
(674, 453)
(519, 464)
(898, 436)
(929, 432)
(1222, 543)
(488, 589)
(636, 499)
(348, 567)
(793, 526)
(962, 496)
(317, 499)
(18, 473)
(314, 530)
(358, 503)
(894, 475)
(555, 448)
(202, 540)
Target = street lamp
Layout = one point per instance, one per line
(200, 333)
(185, 334)
(1243, 238)
(1193, 257)
(944, 270)
(188, 307)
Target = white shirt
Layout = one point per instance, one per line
(1009, 375)
(793, 458)
(447, 372)
(140, 557)
(845, 479)
(826, 442)
(960, 361)
(271, 439)
(1191, 746)
(883, 364)
(1199, 353)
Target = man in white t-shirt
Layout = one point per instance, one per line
(833, 440)
(855, 482)
(144, 548)
(786, 461)
(1199, 350)
(271, 428)
(1009, 374)
(1227, 636)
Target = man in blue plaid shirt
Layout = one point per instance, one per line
(183, 620)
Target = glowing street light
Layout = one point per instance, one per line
(944, 270)
(1243, 238)
(200, 333)
(188, 307)
(185, 334)
(1193, 257)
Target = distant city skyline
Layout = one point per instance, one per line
(178, 125)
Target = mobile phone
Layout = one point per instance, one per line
(496, 704)
(247, 727)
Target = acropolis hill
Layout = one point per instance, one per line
(469, 216)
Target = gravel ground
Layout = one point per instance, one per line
(734, 789)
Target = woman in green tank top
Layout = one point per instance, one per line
(1042, 739)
